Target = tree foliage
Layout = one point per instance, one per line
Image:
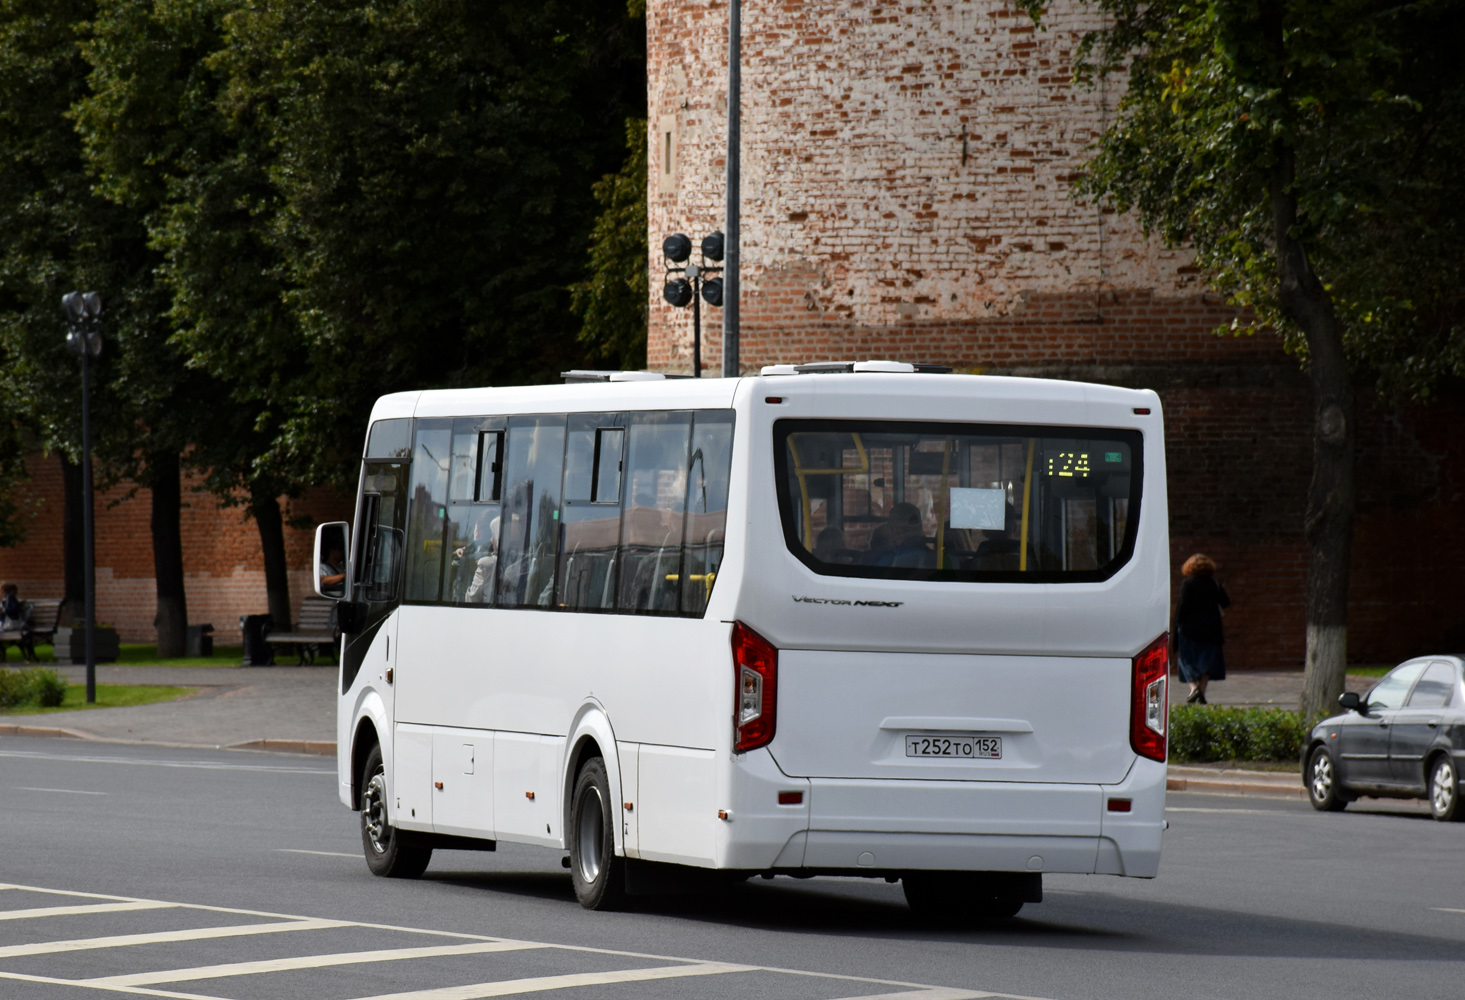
(1307, 150)
(613, 301)
(1367, 98)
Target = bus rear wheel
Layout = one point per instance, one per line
(598, 875)
(390, 852)
(962, 897)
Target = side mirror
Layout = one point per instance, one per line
(332, 569)
(1350, 701)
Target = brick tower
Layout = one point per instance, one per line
(907, 173)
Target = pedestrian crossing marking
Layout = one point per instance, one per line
(149, 984)
(167, 937)
(511, 987)
(307, 962)
(936, 993)
(70, 911)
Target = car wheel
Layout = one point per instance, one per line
(1322, 782)
(598, 875)
(390, 852)
(1444, 790)
(958, 898)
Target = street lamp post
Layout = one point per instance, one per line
(83, 313)
(696, 285)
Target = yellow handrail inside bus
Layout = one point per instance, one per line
(800, 473)
(1027, 485)
(706, 579)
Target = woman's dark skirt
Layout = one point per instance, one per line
(1199, 659)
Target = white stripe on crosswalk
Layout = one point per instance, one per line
(934, 993)
(511, 987)
(21, 977)
(68, 911)
(306, 962)
(167, 937)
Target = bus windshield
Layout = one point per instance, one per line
(896, 500)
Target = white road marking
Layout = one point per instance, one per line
(1445, 909)
(935, 993)
(139, 990)
(67, 911)
(324, 854)
(166, 937)
(206, 765)
(307, 962)
(63, 791)
(680, 967)
(1192, 809)
(510, 987)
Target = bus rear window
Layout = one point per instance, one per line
(896, 500)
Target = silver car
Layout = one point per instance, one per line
(1405, 738)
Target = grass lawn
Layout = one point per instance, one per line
(142, 654)
(108, 696)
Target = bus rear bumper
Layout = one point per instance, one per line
(881, 826)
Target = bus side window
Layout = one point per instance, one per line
(655, 488)
(426, 526)
(470, 546)
(708, 470)
(592, 515)
(529, 531)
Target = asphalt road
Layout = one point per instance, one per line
(1256, 898)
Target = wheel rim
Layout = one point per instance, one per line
(1442, 788)
(374, 813)
(1322, 777)
(588, 853)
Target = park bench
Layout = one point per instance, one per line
(43, 617)
(315, 629)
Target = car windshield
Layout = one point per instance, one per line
(899, 500)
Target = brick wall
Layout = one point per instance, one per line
(222, 563)
(906, 178)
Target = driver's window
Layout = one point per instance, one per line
(1390, 692)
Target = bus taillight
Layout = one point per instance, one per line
(755, 673)
(1149, 703)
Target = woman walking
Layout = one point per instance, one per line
(1198, 626)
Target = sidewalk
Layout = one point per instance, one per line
(289, 709)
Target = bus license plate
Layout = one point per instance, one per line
(955, 747)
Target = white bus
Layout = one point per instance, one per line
(836, 619)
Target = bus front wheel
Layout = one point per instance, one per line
(598, 875)
(390, 852)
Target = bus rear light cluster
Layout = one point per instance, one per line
(755, 674)
(1149, 699)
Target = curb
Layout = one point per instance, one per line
(319, 748)
(1236, 782)
(50, 731)
(1222, 787)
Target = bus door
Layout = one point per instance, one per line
(378, 565)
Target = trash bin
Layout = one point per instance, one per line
(199, 642)
(257, 652)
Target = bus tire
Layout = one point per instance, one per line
(956, 898)
(390, 853)
(598, 875)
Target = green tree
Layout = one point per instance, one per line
(162, 143)
(1308, 150)
(432, 164)
(613, 302)
(60, 235)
